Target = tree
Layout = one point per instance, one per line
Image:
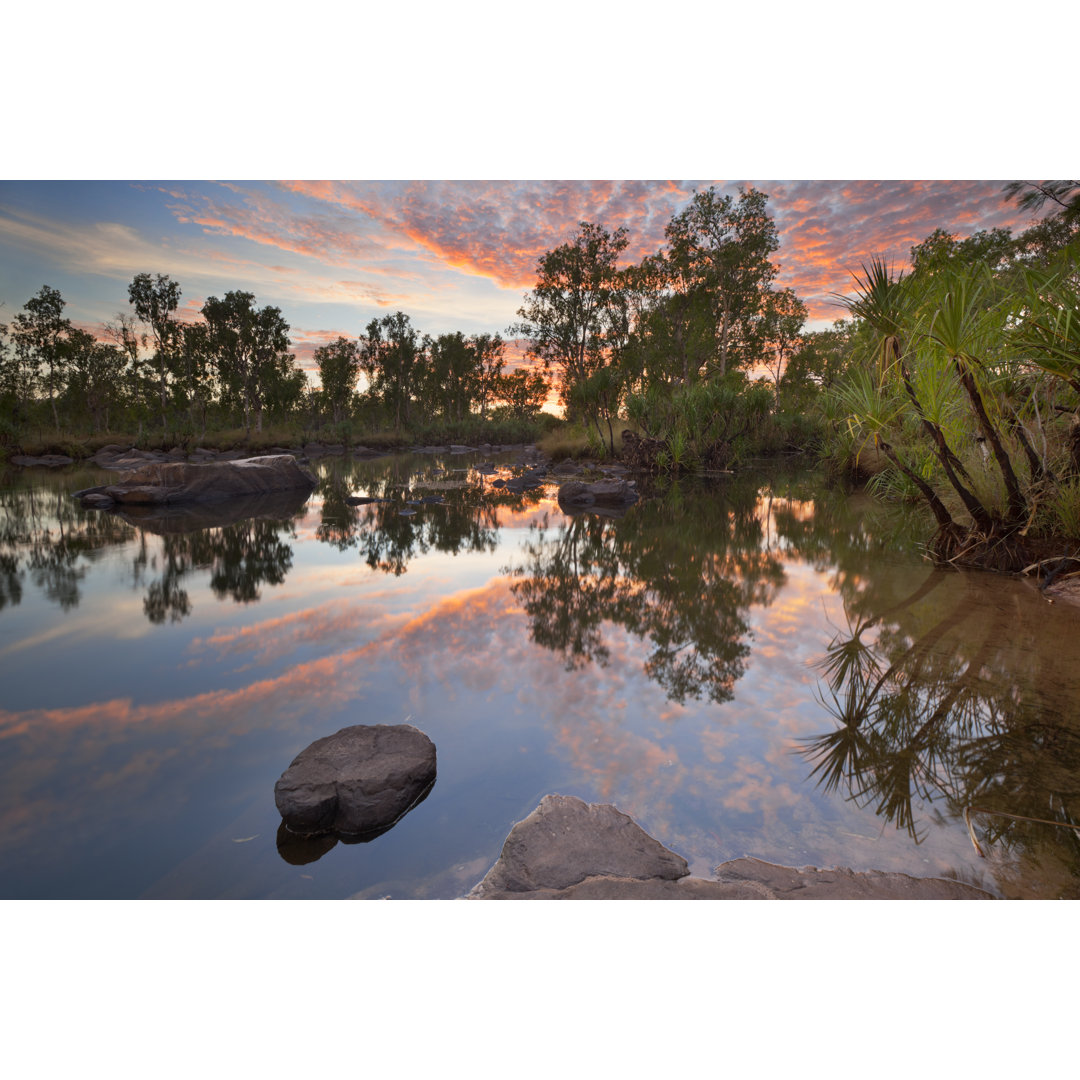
(721, 248)
(574, 310)
(339, 368)
(195, 371)
(488, 350)
(451, 375)
(524, 392)
(124, 336)
(785, 315)
(154, 300)
(390, 354)
(38, 333)
(96, 370)
(1062, 195)
(250, 346)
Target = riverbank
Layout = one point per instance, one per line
(567, 849)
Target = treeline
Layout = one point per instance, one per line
(150, 371)
(668, 343)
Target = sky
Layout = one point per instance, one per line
(453, 255)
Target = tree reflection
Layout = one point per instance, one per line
(50, 539)
(47, 536)
(680, 572)
(241, 557)
(417, 508)
(923, 715)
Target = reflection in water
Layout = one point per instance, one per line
(46, 534)
(922, 715)
(681, 573)
(300, 849)
(421, 506)
(55, 540)
(690, 627)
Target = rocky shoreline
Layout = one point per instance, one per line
(567, 849)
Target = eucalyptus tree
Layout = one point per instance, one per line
(339, 368)
(391, 354)
(39, 333)
(719, 248)
(195, 372)
(155, 298)
(123, 333)
(489, 352)
(250, 346)
(524, 392)
(573, 314)
(96, 370)
(450, 375)
(784, 318)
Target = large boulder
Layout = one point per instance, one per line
(569, 850)
(358, 782)
(610, 495)
(181, 481)
(564, 841)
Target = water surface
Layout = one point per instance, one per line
(748, 666)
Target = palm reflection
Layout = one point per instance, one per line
(923, 714)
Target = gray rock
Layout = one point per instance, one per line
(568, 850)
(358, 782)
(182, 481)
(564, 841)
(97, 500)
(773, 882)
(569, 467)
(577, 495)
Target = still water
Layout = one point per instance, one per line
(750, 666)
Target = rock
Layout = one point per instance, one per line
(577, 495)
(361, 500)
(358, 782)
(569, 467)
(97, 500)
(51, 461)
(121, 459)
(568, 850)
(564, 841)
(182, 481)
(809, 883)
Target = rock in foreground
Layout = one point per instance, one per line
(181, 481)
(358, 782)
(569, 850)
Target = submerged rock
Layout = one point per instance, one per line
(569, 850)
(614, 494)
(49, 461)
(181, 481)
(358, 782)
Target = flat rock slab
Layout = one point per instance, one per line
(569, 850)
(182, 481)
(358, 782)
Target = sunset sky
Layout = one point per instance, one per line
(453, 255)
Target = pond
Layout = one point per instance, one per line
(748, 665)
